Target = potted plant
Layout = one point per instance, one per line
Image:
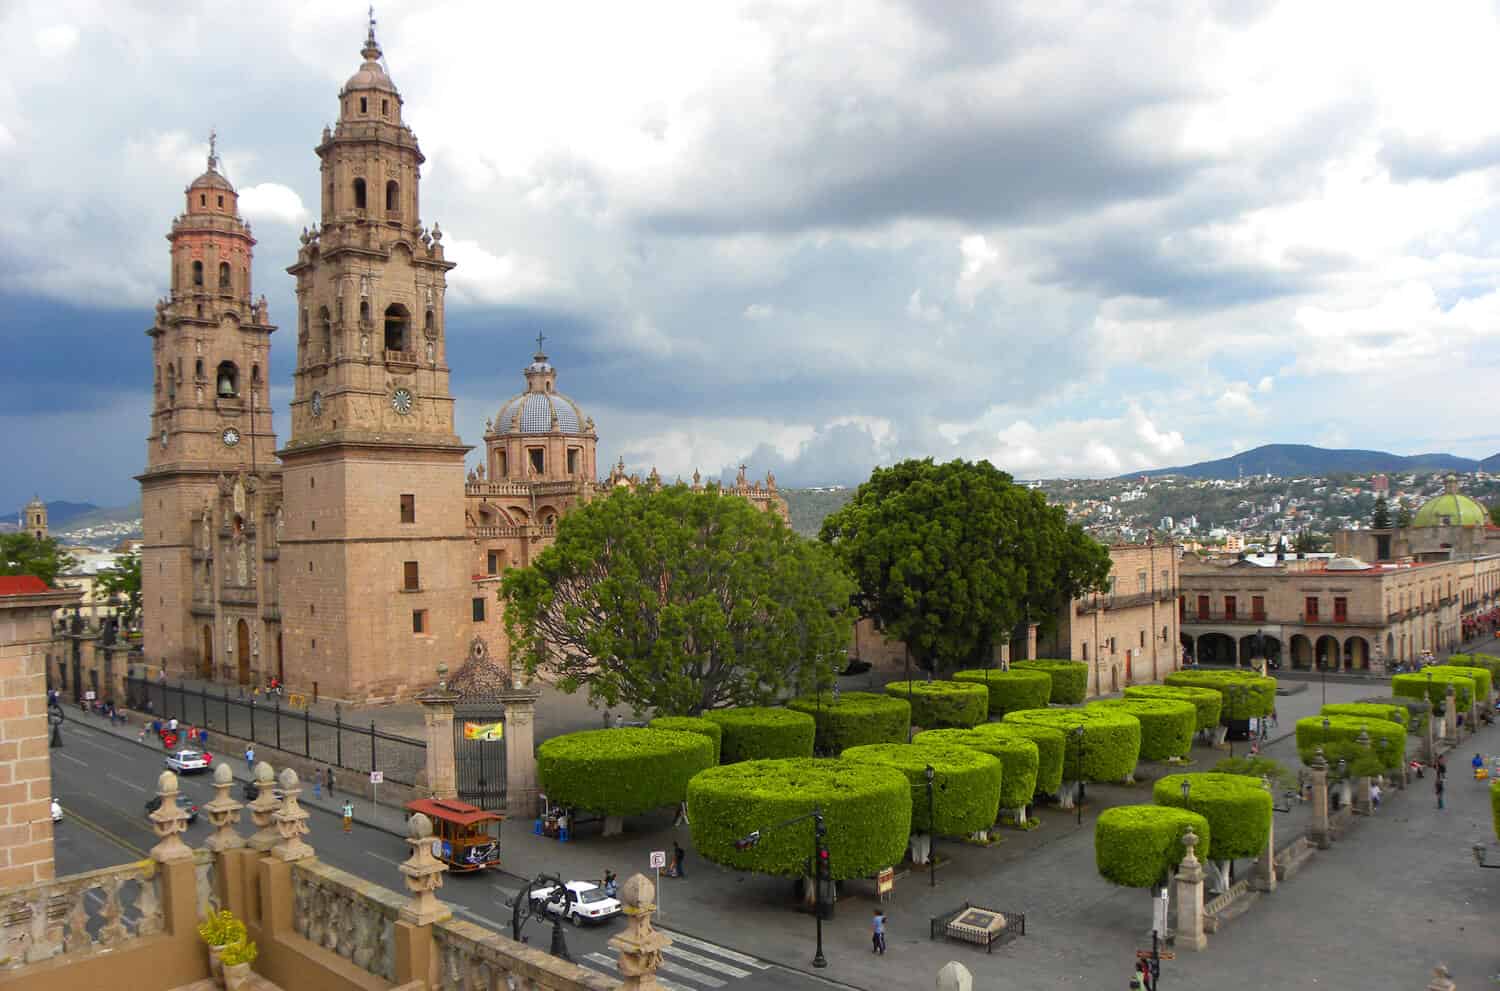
(218, 931)
(237, 959)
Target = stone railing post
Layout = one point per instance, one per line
(263, 808)
(224, 812)
(424, 876)
(1005, 654)
(1320, 833)
(1362, 803)
(1190, 934)
(1265, 864)
(1450, 715)
(640, 945)
(955, 977)
(291, 821)
(437, 714)
(1440, 979)
(520, 751)
(1031, 641)
(1429, 744)
(169, 822)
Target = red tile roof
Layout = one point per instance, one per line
(22, 585)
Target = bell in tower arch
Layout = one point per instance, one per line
(226, 385)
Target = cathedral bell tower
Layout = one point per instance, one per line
(374, 573)
(211, 412)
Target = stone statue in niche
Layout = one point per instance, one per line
(431, 352)
(243, 573)
(364, 345)
(239, 496)
(364, 287)
(255, 644)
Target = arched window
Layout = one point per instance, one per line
(428, 324)
(397, 324)
(325, 330)
(197, 273)
(392, 196)
(364, 311)
(198, 368)
(228, 381)
(359, 194)
(254, 377)
(223, 275)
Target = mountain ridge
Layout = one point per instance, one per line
(1293, 460)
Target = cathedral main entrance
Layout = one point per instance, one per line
(242, 645)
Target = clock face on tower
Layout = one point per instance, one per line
(317, 403)
(401, 401)
(230, 436)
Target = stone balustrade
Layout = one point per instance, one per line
(80, 915)
(471, 958)
(347, 916)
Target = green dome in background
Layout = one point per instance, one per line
(1451, 509)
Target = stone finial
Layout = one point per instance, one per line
(224, 812)
(169, 823)
(955, 977)
(1319, 762)
(1441, 979)
(263, 809)
(424, 875)
(1364, 738)
(291, 821)
(639, 945)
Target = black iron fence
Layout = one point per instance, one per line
(268, 723)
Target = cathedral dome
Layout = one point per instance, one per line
(533, 411)
(372, 74)
(1450, 509)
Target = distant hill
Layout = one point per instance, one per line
(62, 513)
(1293, 460)
(100, 517)
(808, 507)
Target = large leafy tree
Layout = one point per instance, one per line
(679, 601)
(23, 554)
(950, 558)
(124, 580)
(1381, 520)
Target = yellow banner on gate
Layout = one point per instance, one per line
(489, 732)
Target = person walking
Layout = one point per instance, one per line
(330, 781)
(1437, 785)
(317, 782)
(679, 855)
(1478, 765)
(348, 816)
(877, 933)
(250, 759)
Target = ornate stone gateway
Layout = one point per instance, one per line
(479, 729)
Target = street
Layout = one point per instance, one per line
(104, 783)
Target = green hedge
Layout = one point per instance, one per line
(936, 704)
(623, 771)
(1010, 690)
(1070, 679)
(1495, 807)
(965, 784)
(1281, 776)
(1050, 744)
(1259, 697)
(867, 810)
(757, 733)
(1431, 683)
(693, 724)
(1207, 701)
(856, 719)
(1390, 713)
(1019, 757)
(1238, 810)
(1418, 711)
(1167, 725)
(1139, 846)
(1339, 741)
(1111, 740)
(1483, 683)
(1488, 662)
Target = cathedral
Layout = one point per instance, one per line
(353, 560)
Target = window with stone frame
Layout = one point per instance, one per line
(408, 507)
(493, 561)
(419, 620)
(478, 608)
(410, 576)
(538, 458)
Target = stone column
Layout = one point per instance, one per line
(1031, 641)
(291, 821)
(1362, 803)
(1450, 716)
(437, 714)
(1265, 864)
(1320, 833)
(424, 876)
(520, 752)
(224, 812)
(263, 808)
(1429, 744)
(1005, 654)
(955, 977)
(169, 823)
(1190, 934)
(639, 945)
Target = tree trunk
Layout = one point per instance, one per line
(614, 825)
(1218, 875)
(920, 847)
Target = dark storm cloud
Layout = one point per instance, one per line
(61, 358)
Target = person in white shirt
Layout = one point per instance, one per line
(1374, 795)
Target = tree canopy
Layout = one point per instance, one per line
(124, 580)
(678, 601)
(1381, 520)
(23, 554)
(950, 558)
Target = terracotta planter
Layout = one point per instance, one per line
(235, 976)
(216, 965)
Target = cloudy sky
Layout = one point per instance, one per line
(1073, 238)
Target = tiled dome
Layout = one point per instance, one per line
(531, 413)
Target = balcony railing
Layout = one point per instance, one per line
(353, 918)
(82, 914)
(400, 357)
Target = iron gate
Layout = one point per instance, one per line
(479, 754)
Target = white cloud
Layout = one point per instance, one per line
(759, 311)
(485, 277)
(979, 261)
(56, 40)
(274, 202)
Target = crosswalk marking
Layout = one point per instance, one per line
(691, 974)
(722, 951)
(703, 961)
(605, 961)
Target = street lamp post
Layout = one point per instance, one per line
(1078, 766)
(931, 830)
(822, 869)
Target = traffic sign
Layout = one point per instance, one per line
(377, 777)
(1147, 955)
(658, 859)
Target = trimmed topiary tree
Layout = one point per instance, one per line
(1139, 846)
(621, 772)
(1418, 711)
(1483, 683)
(692, 724)
(1111, 743)
(936, 704)
(1238, 810)
(1431, 683)
(1244, 694)
(1206, 701)
(1385, 712)
(1339, 740)
(1167, 725)
(1281, 776)
(1070, 679)
(866, 807)
(1050, 744)
(965, 788)
(1485, 662)
(762, 733)
(1495, 807)
(855, 719)
(1019, 758)
(1018, 688)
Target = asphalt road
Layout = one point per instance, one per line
(104, 783)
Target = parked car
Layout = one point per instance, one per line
(183, 761)
(182, 803)
(250, 792)
(588, 904)
(57, 813)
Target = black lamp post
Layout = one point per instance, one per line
(1187, 789)
(1078, 765)
(931, 830)
(822, 869)
(55, 718)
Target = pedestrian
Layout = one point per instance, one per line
(1437, 785)
(348, 816)
(330, 782)
(250, 759)
(1375, 795)
(172, 724)
(141, 736)
(1478, 764)
(877, 933)
(1442, 766)
(679, 856)
(317, 782)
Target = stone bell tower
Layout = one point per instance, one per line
(374, 576)
(36, 518)
(211, 412)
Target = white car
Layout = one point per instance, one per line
(589, 902)
(56, 811)
(183, 761)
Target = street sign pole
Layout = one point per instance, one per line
(658, 861)
(375, 778)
